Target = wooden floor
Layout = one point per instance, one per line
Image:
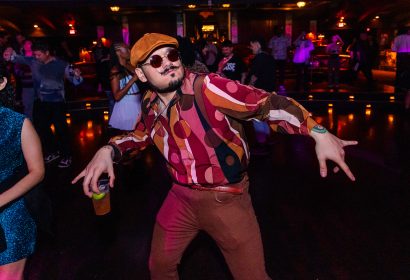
(312, 228)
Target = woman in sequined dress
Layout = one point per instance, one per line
(19, 146)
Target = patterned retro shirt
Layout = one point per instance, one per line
(201, 136)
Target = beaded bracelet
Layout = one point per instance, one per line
(319, 129)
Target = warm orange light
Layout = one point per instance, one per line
(390, 118)
(89, 124)
(52, 127)
(226, 5)
(208, 27)
(377, 17)
(106, 117)
(341, 24)
(368, 106)
(68, 121)
(310, 97)
(351, 97)
(191, 6)
(330, 110)
(319, 120)
(35, 26)
(72, 31)
(350, 117)
(94, 43)
(311, 36)
(87, 104)
(391, 98)
(368, 112)
(301, 4)
(106, 112)
(70, 24)
(330, 105)
(89, 134)
(68, 115)
(115, 8)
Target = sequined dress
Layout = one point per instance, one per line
(18, 225)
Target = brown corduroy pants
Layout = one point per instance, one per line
(228, 218)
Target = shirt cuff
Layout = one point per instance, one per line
(310, 123)
(117, 152)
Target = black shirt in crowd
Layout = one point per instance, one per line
(263, 68)
(234, 68)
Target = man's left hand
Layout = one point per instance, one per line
(330, 147)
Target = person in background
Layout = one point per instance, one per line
(101, 56)
(261, 75)
(262, 69)
(210, 54)
(231, 66)
(24, 76)
(127, 107)
(4, 41)
(301, 59)
(49, 75)
(20, 146)
(353, 62)
(279, 44)
(8, 90)
(189, 57)
(23, 45)
(334, 49)
(195, 122)
(401, 45)
(363, 53)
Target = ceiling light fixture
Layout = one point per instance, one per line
(114, 8)
(301, 4)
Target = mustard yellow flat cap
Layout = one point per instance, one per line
(147, 44)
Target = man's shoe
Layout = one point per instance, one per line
(51, 157)
(65, 162)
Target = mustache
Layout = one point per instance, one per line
(170, 68)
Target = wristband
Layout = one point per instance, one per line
(319, 129)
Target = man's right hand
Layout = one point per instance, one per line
(101, 163)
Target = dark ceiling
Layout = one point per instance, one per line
(19, 16)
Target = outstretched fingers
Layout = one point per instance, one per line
(346, 169)
(79, 176)
(349, 143)
(111, 176)
(322, 167)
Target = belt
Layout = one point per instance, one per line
(227, 189)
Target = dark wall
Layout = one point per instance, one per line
(258, 23)
(160, 22)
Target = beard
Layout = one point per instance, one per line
(172, 85)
